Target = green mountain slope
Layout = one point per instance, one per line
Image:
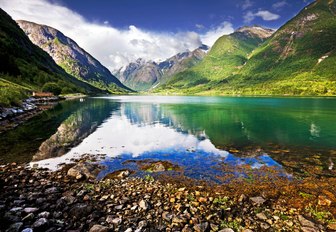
(227, 56)
(299, 59)
(75, 60)
(25, 67)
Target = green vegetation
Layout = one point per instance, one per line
(52, 88)
(25, 68)
(11, 94)
(299, 59)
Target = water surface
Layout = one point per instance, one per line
(200, 134)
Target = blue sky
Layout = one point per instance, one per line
(180, 15)
(118, 32)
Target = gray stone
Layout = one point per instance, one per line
(305, 223)
(99, 228)
(40, 223)
(16, 227)
(27, 230)
(226, 230)
(201, 227)
(30, 210)
(44, 214)
(144, 204)
(257, 200)
(262, 216)
(80, 210)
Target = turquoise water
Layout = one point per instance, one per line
(196, 133)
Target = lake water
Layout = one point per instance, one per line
(205, 136)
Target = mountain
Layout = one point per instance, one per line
(298, 59)
(144, 75)
(75, 60)
(24, 67)
(228, 55)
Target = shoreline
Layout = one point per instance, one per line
(72, 199)
(12, 117)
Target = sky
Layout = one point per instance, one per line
(117, 32)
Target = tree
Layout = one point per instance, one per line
(52, 87)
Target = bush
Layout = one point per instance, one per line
(52, 88)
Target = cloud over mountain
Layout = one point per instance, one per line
(114, 47)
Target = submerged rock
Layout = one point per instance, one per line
(84, 169)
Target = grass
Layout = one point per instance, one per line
(11, 94)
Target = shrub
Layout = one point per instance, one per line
(52, 87)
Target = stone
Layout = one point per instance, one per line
(262, 216)
(305, 222)
(44, 214)
(201, 227)
(99, 228)
(257, 200)
(323, 201)
(40, 223)
(142, 224)
(28, 217)
(144, 204)
(226, 230)
(80, 210)
(158, 167)
(167, 216)
(51, 190)
(129, 230)
(332, 226)
(16, 227)
(89, 170)
(27, 230)
(119, 207)
(264, 226)
(309, 229)
(30, 210)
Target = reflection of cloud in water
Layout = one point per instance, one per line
(118, 136)
(315, 130)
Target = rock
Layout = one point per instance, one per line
(201, 227)
(80, 210)
(167, 216)
(305, 223)
(332, 226)
(226, 230)
(27, 230)
(119, 207)
(264, 226)
(242, 198)
(129, 230)
(144, 204)
(142, 224)
(323, 201)
(247, 230)
(309, 229)
(16, 227)
(257, 200)
(28, 217)
(40, 223)
(89, 170)
(158, 167)
(44, 214)
(30, 210)
(261, 216)
(51, 190)
(99, 228)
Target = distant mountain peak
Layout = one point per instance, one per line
(256, 30)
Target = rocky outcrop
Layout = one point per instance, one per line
(67, 54)
(143, 75)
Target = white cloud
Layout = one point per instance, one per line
(211, 36)
(279, 5)
(264, 14)
(111, 46)
(247, 4)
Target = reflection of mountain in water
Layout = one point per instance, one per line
(240, 125)
(75, 128)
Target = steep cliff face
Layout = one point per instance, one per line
(25, 67)
(144, 75)
(67, 54)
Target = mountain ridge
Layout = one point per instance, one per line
(70, 56)
(144, 75)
